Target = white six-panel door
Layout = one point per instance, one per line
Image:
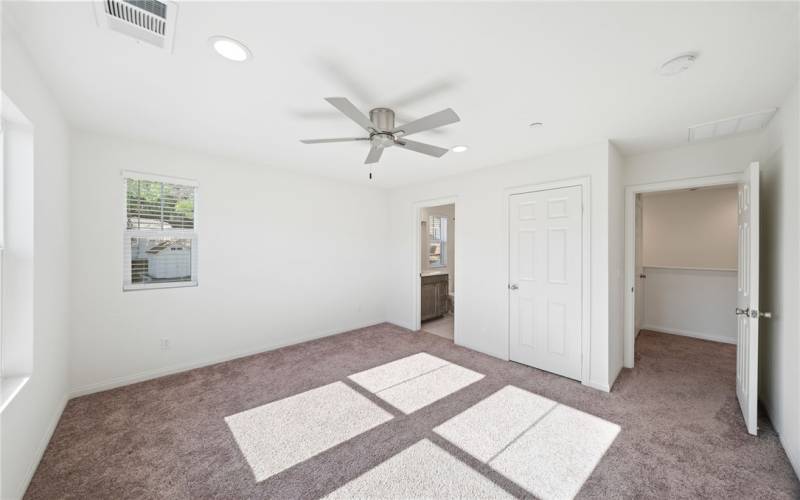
(545, 279)
(747, 297)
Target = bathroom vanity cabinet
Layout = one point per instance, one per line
(434, 295)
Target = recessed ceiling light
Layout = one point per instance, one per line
(459, 149)
(678, 64)
(229, 48)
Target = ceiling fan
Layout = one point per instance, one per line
(383, 132)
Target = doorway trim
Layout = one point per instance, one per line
(417, 279)
(586, 223)
(630, 243)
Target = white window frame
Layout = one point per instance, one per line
(128, 234)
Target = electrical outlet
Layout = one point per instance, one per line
(165, 345)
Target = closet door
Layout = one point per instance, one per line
(545, 279)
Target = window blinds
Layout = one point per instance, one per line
(153, 205)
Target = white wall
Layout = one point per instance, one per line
(482, 259)
(779, 346)
(691, 302)
(26, 424)
(699, 159)
(616, 261)
(448, 211)
(283, 258)
(690, 229)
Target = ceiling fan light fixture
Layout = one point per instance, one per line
(230, 49)
(459, 149)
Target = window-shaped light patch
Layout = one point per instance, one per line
(278, 435)
(546, 448)
(416, 381)
(421, 471)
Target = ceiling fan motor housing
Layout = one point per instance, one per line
(383, 118)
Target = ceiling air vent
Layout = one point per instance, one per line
(733, 125)
(150, 21)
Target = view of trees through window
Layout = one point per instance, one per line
(159, 205)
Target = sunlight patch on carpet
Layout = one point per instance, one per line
(421, 471)
(546, 448)
(389, 374)
(278, 435)
(416, 381)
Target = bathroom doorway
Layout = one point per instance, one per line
(437, 242)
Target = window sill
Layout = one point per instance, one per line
(9, 388)
(155, 286)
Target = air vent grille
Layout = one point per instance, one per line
(141, 16)
(730, 126)
(150, 21)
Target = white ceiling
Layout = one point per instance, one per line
(587, 70)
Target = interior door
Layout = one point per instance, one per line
(747, 297)
(638, 315)
(545, 279)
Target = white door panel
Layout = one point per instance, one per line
(747, 305)
(545, 271)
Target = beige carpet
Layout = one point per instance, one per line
(314, 419)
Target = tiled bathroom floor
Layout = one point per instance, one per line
(442, 327)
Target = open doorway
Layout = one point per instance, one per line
(686, 256)
(692, 270)
(437, 247)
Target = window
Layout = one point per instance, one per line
(437, 241)
(160, 233)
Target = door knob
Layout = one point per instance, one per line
(762, 314)
(513, 287)
(643, 276)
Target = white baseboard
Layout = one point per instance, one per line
(597, 385)
(41, 447)
(170, 370)
(790, 452)
(687, 333)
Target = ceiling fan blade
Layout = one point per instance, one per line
(343, 139)
(352, 112)
(421, 147)
(444, 117)
(402, 117)
(374, 155)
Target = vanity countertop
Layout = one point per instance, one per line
(432, 273)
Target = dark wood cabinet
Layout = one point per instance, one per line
(434, 296)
